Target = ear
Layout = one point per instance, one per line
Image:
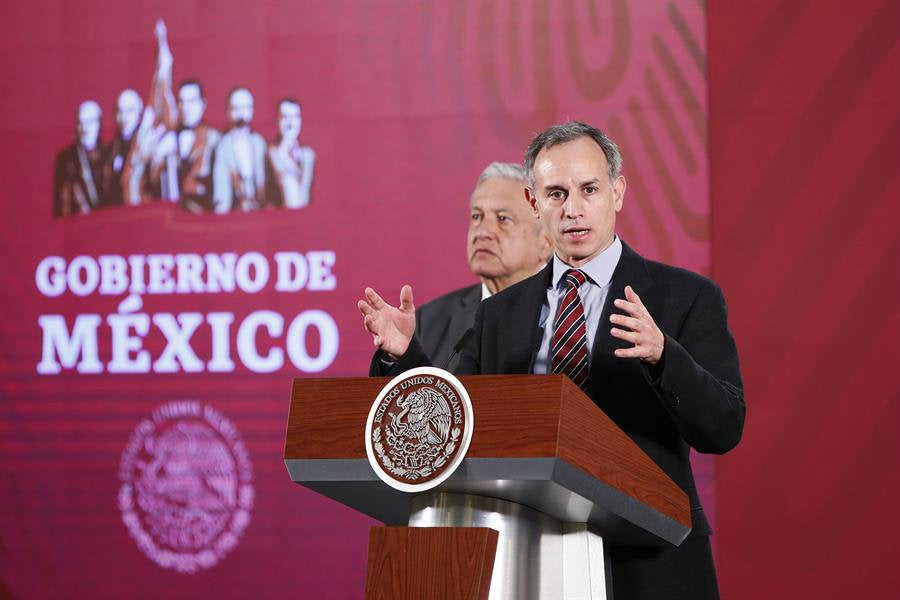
(619, 192)
(529, 197)
(546, 248)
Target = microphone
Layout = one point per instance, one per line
(460, 343)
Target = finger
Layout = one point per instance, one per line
(628, 336)
(364, 307)
(629, 307)
(369, 322)
(632, 296)
(635, 299)
(629, 322)
(406, 299)
(374, 299)
(635, 352)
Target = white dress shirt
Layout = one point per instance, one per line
(593, 294)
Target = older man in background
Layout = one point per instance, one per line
(505, 244)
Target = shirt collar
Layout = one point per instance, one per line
(485, 292)
(599, 269)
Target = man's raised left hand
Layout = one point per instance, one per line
(639, 328)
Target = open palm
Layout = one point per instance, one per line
(391, 327)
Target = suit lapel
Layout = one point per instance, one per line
(523, 318)
(631, 270)
(464, 316)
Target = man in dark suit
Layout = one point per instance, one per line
(649, 343)
(505, 244)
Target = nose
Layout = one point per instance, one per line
(485, 228)
(574, 205)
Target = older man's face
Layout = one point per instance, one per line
(504, 239)
(575, 199)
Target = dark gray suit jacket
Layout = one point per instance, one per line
(443, 321)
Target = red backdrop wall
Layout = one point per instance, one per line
(109, 489)
(805, 183)
(785, 191)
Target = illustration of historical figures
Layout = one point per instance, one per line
(290, 164)
(78, 178)
(163, 149)
(239, 172)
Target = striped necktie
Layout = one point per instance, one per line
(568, 346)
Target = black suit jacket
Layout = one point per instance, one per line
(442, 322)
(693, 398)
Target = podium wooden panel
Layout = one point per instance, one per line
(440, 563)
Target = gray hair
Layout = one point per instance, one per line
(510, 172)
(501, 170)
(568, 132)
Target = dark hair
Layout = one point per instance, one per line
(199, 85)
(568, 132)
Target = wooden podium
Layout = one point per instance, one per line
(546, 470)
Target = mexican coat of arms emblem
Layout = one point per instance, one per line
(419, 429)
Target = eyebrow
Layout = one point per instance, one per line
(556, 186)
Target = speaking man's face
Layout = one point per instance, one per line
(240, 108)
(88, 128)
(505, 240)
(191, 105)
(575, 200)
(289, 120)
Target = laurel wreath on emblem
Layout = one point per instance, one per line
(436, 455)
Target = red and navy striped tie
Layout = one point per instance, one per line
(568, 346)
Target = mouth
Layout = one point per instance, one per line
(576, 233)
(482, 252)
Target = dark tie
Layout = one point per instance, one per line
(568, 346)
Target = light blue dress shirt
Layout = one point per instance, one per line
(593, 294)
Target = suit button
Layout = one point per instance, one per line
(675, 398)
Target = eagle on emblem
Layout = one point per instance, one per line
(427, 416)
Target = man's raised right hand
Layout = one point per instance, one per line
(391, 327)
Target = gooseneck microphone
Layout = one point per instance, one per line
(460, 343)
